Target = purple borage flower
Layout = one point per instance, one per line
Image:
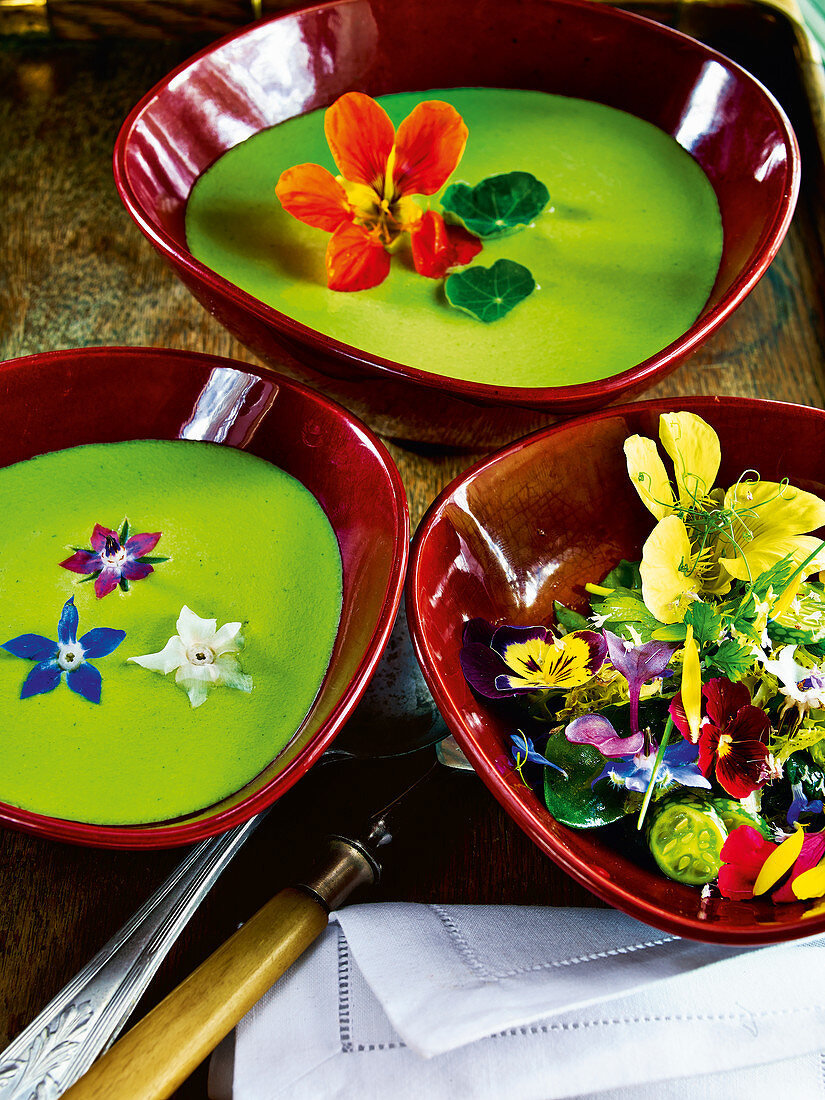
(115, 559)
(638, 664)
(517, 660)
(628, 765)
(66, 655)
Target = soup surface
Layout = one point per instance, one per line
(625, 255)
(246, 542)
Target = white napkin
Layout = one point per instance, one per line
(405, 1001)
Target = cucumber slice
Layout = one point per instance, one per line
(734, 814)
(685, 837)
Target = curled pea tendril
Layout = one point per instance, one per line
(707, 524)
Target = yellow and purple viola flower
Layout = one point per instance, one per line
(115, 559)
(516, 660)
(67, 657)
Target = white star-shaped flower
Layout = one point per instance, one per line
(202, 655)
(801, 686)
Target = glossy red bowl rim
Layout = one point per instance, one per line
(484, 767)
(159, 835)
(601, 390)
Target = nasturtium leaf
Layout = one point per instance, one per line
(574, 800)
(705, 622)
(568, 619)
(488, 293)
(498, 205)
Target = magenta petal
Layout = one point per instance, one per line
(107, 582)
(596, 730)
(136, 570)
(99, 536)
(83, 561)
(813, 849)
(138, 545)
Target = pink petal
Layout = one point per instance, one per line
(107, 582)
(83, 561)
(138, 545)
(136, 570)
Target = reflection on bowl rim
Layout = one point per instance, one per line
(178, 831)
(484, 766)
(634, 378)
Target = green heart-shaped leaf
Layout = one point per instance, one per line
(489, 292)
(497, 205)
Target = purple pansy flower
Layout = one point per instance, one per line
(66, 655)
(115, 559)
(638, 664)
(523, 750)
(513, 660)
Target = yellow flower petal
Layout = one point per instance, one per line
(648, 474)
(666, 586)
(779, 862)
(768, 549)
(694, 448)
(692, 685)
(811, 883)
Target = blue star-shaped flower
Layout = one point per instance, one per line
(66, 655)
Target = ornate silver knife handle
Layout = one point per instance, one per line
(84, 1019)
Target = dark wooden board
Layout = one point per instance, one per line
(74, 270)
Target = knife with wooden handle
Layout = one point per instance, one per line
(160, 1052)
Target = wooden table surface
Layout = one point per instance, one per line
(75, 271)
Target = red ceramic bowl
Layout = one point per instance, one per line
(303, 60)
(532, 524)
(146, 393)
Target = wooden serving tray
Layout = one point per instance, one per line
(74, 270)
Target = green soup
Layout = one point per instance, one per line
(246, 543)
(625, 255)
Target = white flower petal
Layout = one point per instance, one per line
(193, 630)
(228, 639)
(172, 656)
(194, 680)
(231, 674)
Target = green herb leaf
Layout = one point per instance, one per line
(488, 293)
(732, 659)
(624, 575)
(568, 619)
(673, 632)
(775, 578)
(619, 611)
(573, 800)
(498, 205)
(705, 622)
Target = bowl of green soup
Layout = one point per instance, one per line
(666, 179)
(202, 564)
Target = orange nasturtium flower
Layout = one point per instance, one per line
(369, 205)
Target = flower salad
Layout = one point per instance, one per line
(685, 709)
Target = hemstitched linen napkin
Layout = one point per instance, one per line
(404, 1001)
